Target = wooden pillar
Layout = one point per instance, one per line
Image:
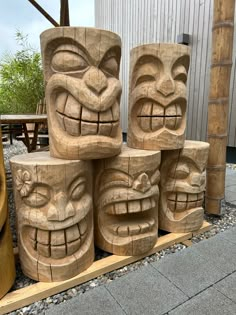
(222, 44)
(7, 263)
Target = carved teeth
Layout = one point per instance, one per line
(152, 117)
(59, 243)
(125, 230)
(78, 120)
(182, 201)
(131, 206)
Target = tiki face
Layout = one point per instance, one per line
(126, 202)
(183, 180)
(81, 67)
(54, 211)
(157, 104)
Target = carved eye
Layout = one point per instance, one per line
(145, 78)
(39, 197)
(180, 171)
(78, 189)
(66, 61)
(114, 179)
(111, 66)
(180, 73)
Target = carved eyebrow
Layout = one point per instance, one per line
(183, 61)
(114, 51)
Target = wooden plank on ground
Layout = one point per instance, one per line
(187, 243)
(40, 290)
(205, 228)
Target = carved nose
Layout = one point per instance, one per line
(198, 179)
(60, 209)
(95, 80)
(142, 183)
(166, 85)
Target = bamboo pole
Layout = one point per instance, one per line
(221, 64)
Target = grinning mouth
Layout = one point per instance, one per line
(152, 117)
(178, 202)
(77, 120)
(133, 217)
(58, 243)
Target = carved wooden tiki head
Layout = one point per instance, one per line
(54, 215)
(126, 202)
(81, 70)
(157, 100)
(183, 180)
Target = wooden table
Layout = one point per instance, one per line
(23, 120)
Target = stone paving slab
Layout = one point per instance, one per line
(209, 302)
(98, 301)
(227, 286)
(229, 235)
(230, 196)
(190, 271)
(145, 291)
(219, 252)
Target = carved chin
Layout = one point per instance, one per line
(77, 120)
(180, 205)
(56, 244)
(152, 117)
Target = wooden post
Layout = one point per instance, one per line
(222, 44)
(64, 14)
(7, 263)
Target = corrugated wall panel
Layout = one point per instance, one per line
(146, 21)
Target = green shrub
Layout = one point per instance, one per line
(21, 79)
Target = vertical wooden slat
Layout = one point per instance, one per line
(221, 63)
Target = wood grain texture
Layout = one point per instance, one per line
(157, 101)
(221, 64)
(183, 181)
(7, 263)
(81, 70)
(126, 201)
(41, 290)
(53, 200)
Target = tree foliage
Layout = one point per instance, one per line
(21, 79)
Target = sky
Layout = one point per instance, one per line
(23, 16)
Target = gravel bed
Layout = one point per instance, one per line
(220, 224)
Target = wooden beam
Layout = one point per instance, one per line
(43, 12)
(40, 290)
(64, 14)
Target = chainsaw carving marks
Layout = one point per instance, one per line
(157, 101)
(81, 70)
(183, 180)
(54, 215)
(126, 201)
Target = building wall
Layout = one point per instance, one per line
(147, 21)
